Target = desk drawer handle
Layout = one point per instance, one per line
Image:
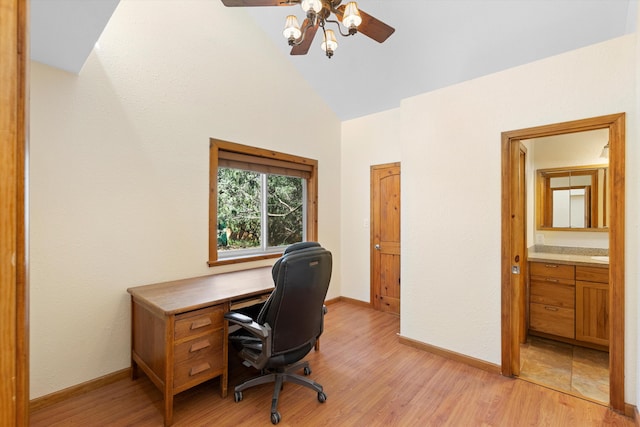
(199, 369)
(200, 323)
(546, 307)
(199, 345)
(551, 280)
(551, 265)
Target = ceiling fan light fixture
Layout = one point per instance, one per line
(351, 18)
(329, 43)
(315, 5)
(292, 28)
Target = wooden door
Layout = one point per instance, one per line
(385, 237)
(14, 351)
(517, 250)
(521, 213)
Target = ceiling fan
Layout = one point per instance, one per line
(318, 13)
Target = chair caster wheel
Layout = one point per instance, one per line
(307, 371)
(237, 396)
(322, 397)
(275, 417)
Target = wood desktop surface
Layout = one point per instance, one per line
(179, 296)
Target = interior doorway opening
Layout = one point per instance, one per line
(514, 253)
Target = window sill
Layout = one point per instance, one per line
(229, 261)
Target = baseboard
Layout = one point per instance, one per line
(348, 300)
(448, 354)
(76, 390)
(631, 411)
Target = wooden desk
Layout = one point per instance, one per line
(178, 332)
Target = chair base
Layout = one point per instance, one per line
(279, 377)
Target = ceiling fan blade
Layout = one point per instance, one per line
(303, 47)
(370, 26)
(250, 3)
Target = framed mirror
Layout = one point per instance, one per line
(572, 198)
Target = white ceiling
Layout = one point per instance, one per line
(436, 43)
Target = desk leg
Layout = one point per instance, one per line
(168, 408)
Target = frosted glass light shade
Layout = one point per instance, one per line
(329, 41)
(351, 17)
(307, 5)
(291, 28)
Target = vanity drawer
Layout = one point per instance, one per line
(542, 292)
(198, 322)
(552, 320)
(550, 269)
(592, 274)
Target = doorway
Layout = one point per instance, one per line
(514, 260)
(385, 237)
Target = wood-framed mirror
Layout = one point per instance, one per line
(572, 198)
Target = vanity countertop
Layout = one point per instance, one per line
(567, 259)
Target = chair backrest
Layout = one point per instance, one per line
(295, 308)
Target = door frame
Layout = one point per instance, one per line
(510, 310)
(14, 292)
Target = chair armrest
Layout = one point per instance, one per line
(247, 323)
(238, 317)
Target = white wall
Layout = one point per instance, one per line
(368, 141)
(451, 196)
(119, 169)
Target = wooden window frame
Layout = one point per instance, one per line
(269, 159)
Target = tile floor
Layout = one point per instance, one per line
(577, 370)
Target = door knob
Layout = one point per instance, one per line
(377, 247)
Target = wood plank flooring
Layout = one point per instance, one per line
(370, 380)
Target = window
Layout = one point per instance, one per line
(260, 202)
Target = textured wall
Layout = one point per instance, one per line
(450, 148)
(120, 173)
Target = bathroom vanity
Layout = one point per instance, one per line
(569, 298)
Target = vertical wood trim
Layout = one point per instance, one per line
(617, 266)
(616, 125)
(14, 388)
(213, 200)
(22, 374)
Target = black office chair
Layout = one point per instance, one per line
(288, 324)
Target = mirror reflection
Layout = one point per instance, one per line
(571, 181)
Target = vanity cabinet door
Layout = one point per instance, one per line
(592, 305)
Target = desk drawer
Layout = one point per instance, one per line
(199, 346)
(197, 369)
(552, 320)
(198, 322)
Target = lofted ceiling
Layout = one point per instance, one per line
(436, 43)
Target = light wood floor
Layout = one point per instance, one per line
(370, 380)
